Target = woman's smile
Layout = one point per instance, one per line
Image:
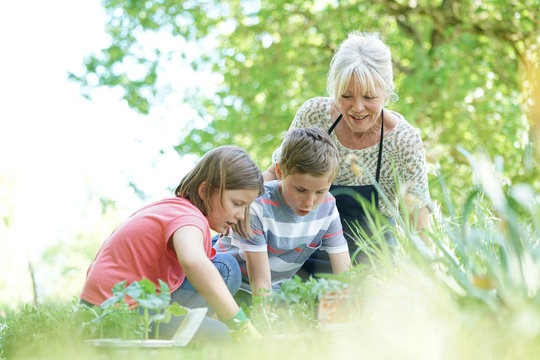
(360, 110)
(358, 117)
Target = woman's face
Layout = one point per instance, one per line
(361, 110)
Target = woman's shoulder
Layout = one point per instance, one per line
(317, 102)
(404, 139)
(316, 105)
(313, 112)
(404, 131)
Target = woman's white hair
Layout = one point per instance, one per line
(366, 57)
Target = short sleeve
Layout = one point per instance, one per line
(257, 243)
(333, 240)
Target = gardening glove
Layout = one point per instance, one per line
(241, 328)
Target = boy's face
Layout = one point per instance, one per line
(303, 192)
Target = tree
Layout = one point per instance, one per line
(456, 68)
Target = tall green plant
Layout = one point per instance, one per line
(488, 251)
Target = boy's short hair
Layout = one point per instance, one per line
(308, 151)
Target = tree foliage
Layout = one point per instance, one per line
(456, 68)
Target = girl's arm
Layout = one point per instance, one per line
(340, 262)
(258, 267)
(189, 246)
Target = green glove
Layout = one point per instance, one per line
(241, 327)
(237, 321)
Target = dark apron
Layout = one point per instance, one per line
(351, 212)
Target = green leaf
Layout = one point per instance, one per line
(135, 291)
(177, 309)
(147, 286)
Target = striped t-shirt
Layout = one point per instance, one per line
(289, 239)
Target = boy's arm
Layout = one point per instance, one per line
(258, 267)
(340, 262)
(189, 246)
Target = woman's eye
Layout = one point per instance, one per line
(346, 96)
(300, 190)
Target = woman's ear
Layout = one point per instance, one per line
(201, 190)
(279, 172)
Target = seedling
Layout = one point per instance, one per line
(154, 305)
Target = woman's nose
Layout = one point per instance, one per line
(358, 104)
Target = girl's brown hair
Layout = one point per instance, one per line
(222, 168)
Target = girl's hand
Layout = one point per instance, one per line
(248, 331)
(241, 328)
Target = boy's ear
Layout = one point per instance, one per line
(279, 172)
(201, 190)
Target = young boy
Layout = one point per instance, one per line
(295, 216)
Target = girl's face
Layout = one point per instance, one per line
(222, 215)
(360, 110)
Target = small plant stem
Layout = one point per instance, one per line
(146, 323)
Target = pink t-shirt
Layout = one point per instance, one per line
(139, 248)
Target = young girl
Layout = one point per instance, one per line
(170, 239)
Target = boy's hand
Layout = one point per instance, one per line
(241, 328)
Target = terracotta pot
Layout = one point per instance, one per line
(331, 307)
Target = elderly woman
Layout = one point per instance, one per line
(375, 144)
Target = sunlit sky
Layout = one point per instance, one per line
(58, 149)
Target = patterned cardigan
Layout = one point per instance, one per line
(403, 159)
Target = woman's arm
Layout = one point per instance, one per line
(258, 267)
(270, 173)
(340, 262)
(413, 170)
(420, 219)
(188, 243)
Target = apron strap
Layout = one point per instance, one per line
(380, 148)
(334, 124)
(379, 160)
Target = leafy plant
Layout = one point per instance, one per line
(119, 321)
(294, 306)
(155, 305)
